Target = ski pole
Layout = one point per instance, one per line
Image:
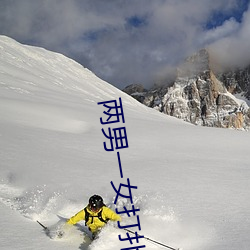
(157, 242)
(45, 228)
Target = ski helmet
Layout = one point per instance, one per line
(95, 202)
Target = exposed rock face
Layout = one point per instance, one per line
(137, 91)
(237, 81)
(199, 97)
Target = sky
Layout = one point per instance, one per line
(132, 41)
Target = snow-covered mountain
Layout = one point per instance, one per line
(193, 182)
(201, 95)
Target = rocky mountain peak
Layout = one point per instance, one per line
(196, 64)
(200, 96)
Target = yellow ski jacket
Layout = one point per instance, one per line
(94, 223)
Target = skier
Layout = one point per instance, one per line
(95, 214)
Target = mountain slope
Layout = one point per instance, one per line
(193, 182)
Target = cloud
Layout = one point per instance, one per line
(122, 41)
(228, 28)
(233, 49)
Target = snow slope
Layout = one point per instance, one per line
(193, 182)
